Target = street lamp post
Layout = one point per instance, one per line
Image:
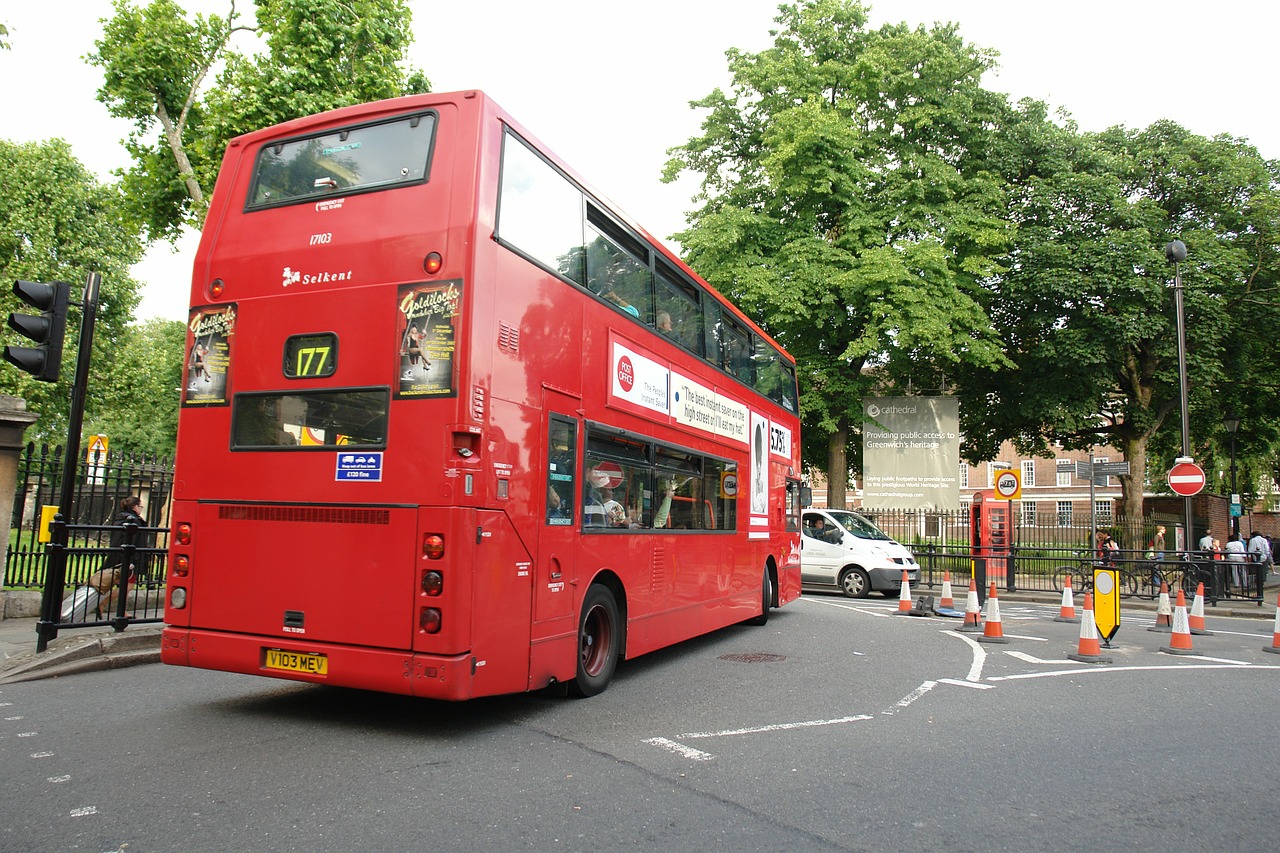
(1176, 253)
(1231, 423)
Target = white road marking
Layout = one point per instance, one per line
(1093, 669)
(42, 755)
(680, 749)
(958, 683)
(776, 727)
(84, 812)
(979, 656)
(57, 779)
(1032, 659)
(910, 697)
(843, 606)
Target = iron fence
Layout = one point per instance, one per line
(1040, 551)
(99, 487)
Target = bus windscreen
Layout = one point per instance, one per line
(350, 160)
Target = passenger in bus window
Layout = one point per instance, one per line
(663, 513)
(556, 509)
(664, 323)
(612, 296)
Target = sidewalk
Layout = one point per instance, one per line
(73, 650)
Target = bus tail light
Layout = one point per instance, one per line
(216, 287)
(430, 620)
(432, 262)
(433, 583)
(177, 598)
(181, 565)
(182, 533)
(433, 546)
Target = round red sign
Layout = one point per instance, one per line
(626, 374)
(606, 475)
(1186, 479)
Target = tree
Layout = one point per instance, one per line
(57, 223)
(320, 54)
(142, 389)
(847, 203)
(1084, 306)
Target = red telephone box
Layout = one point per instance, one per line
(989, 537)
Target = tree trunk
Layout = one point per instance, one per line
(838, 466)
(1135, 453)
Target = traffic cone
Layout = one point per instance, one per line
(1164, 613)
(904, 599)
(1195, 619)
(1274, 648)
(1090, 650)
(972, 614)
(1180, 638)
(1068, 611)
(946, 601)
(992, 632)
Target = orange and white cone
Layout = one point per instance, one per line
(972, 613)
(1164, 613)
(904, 599)
(1195, 619)
(1274, 648)
(1180, 638)
(1090, 649)
(992, 631)
(947, 600)
(1067, 613)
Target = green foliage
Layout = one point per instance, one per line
(848, 205)
(1085, 308)
(141, 389)
(320, 54)
(57, 223)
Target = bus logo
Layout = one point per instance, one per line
(626, 374)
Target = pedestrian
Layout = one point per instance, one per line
(1260, 556)
(107, 579)
(1236, 559)
(1158, 542)
(1206, 541)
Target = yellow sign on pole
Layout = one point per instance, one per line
(97, 450)
(1106, 601)
(1008, 485)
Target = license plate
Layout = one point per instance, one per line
(297, 662)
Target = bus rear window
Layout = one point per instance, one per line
(342, 162)
(347, 418)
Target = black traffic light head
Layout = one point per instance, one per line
(47, 329)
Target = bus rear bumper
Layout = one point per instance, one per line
(386, 670)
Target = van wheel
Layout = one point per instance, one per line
(599, 638)
(855, 583)
(766, 601)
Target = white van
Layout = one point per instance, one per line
(842, 550)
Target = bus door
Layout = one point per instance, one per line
(561, 516)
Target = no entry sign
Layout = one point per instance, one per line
(1186, 479)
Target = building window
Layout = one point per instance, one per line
(964, 475)
(1065, 469)
(1028, 513)
(1102, 509)
(1028, 473)
(1064, 513)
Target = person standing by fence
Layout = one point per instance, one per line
(107, 579)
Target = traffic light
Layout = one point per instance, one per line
(44, 360)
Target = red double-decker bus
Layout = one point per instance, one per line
(453, 426)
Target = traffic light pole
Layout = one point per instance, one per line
(56, 575)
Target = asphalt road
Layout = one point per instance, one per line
(838, 726)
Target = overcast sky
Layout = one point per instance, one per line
(607, 85)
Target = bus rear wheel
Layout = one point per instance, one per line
(766, 601)
(599, 635)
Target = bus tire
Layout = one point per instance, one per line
(855, 583)
(766, 601)
(599, 639)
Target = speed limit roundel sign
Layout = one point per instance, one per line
(1009, 485)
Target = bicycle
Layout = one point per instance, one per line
(1082, 579)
